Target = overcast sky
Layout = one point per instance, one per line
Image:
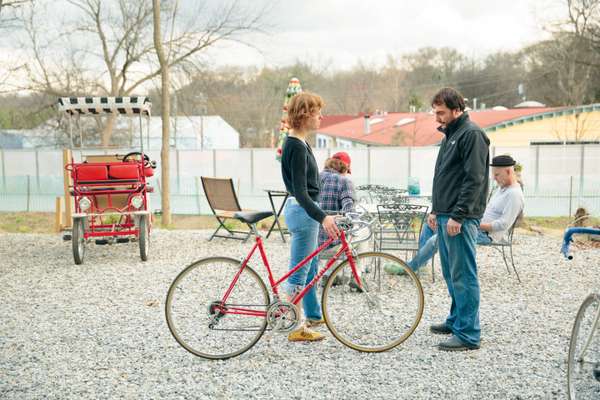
(342, 32)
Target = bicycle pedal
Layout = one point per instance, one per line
(101, 241)
(122, 240)
(66, 237)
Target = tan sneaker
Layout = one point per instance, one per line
(313, 323)
(304, 334)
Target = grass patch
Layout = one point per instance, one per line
(40, 222)
(23, 222)
(557, 222)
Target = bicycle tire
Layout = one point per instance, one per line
(190, 308)
(144, 237)
(349, 312)
(578, 364)
(78, 241)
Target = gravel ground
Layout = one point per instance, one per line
(98, 330)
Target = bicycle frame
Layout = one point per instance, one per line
(345, 248)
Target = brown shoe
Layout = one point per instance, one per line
(303, 334)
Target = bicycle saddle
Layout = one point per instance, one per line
(252, 217)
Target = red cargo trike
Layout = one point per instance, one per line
(110, 192)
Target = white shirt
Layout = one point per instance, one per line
(502, 211)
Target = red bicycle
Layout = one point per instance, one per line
(219, 307)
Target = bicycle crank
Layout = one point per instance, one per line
(283, 316)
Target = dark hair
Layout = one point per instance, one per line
(449, 97)
(336, 165)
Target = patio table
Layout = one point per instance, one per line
(272, 193)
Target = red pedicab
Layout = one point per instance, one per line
(110, 192)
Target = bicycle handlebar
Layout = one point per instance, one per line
(353, 222)
(568, 238)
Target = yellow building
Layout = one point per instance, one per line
(566, 124)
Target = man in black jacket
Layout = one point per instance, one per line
(460, 186)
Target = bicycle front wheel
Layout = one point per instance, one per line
(202, 322)
(584, 352)
(382, 313)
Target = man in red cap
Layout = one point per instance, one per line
(336, 197)
(344, 157)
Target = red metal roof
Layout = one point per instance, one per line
(329, 120)
(414, 129)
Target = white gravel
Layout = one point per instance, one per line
(98, 330)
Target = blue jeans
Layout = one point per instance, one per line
(459, 267)
(428, 246)
(305, 232)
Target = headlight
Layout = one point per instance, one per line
(137, 201)
(84, 203)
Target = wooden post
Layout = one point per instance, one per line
(67, 184)
(58, 215)
(28, 193)
(198, 184)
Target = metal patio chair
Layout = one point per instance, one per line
(399, 226)
(505, 247)
(224, 203)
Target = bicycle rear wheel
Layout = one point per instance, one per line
(202, 323)
(381, 315)
(584, 352)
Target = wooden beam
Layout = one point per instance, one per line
(58, 215)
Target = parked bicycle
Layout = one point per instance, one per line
(219, 307)
(583, 370)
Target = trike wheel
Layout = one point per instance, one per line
(379, 314)
(78, 241)
(202, 322)
(144, 237)
(584, 352)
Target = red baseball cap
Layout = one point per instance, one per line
(344, 157)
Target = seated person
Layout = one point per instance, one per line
(501, 212)
(337, 190)
(581, 216)
(337, 195)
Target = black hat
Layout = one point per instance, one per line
(503, 161)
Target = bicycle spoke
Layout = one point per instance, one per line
(206, 326)
(378, 316)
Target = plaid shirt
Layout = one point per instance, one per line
(336, 196)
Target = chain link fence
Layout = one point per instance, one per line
(557, 179)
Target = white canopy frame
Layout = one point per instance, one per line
(130, 106)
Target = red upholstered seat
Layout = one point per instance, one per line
(91, 172)
(123, 171)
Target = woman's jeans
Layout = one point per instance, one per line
(304, 231)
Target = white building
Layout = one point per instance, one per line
(210, 132)
(207, 132)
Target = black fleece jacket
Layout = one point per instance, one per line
(460, 182)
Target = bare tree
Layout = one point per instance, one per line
(10, 5)
(577, 127)
(115, 55)
(165, 110)
(556, 64)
